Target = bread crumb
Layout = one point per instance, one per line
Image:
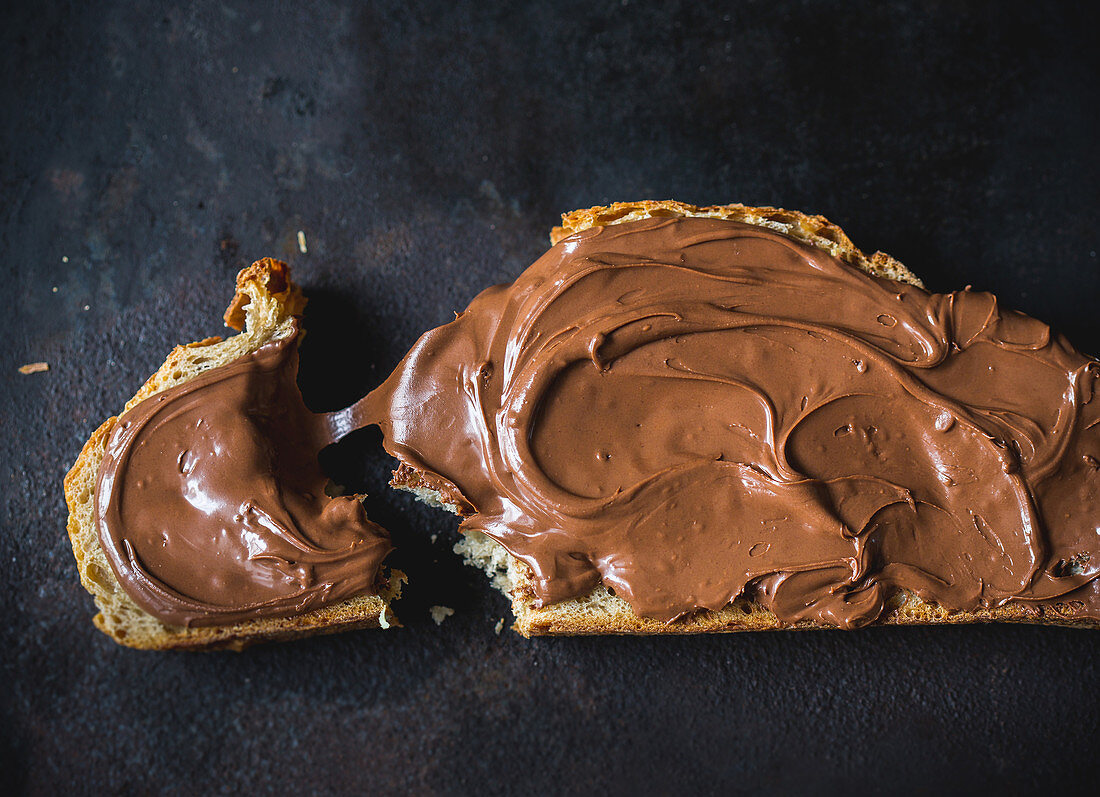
(441, 613)
(87, 307)
(383, 621)
(34, 368)
(499, 626)
(302, 242)
(54, 289)
(434, 537)
(64, 259)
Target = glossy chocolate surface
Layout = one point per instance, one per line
(691, 409)
(211, 503)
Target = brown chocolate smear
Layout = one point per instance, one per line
(211, 501)
(687, 410)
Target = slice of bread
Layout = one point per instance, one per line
(264, 306)
(601, 612)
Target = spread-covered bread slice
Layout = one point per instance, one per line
(687, 419)
(199, 518)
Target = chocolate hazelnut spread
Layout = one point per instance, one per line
(211, 503)
(688, 410)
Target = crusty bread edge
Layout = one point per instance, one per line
(264, 305)
(814, 230)
(601, 612)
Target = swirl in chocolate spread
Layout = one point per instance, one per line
(211, 506)
(691, 409)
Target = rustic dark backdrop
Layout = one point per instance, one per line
(151, 150)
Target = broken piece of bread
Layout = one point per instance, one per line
(264, 307)
(603, 612)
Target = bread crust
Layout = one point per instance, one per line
(265, 303)
(814, 230)
(601, 612)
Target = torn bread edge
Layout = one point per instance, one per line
(602, 612)
(263, 308)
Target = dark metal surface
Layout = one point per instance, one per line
(149, 151)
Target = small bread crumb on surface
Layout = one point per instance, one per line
(34, 368)
(441, 613)
(499, 626)
(302, 242)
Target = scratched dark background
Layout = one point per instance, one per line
(150, 150)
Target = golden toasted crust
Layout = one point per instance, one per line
(814, 230)
(264, 305)
(601, 612)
